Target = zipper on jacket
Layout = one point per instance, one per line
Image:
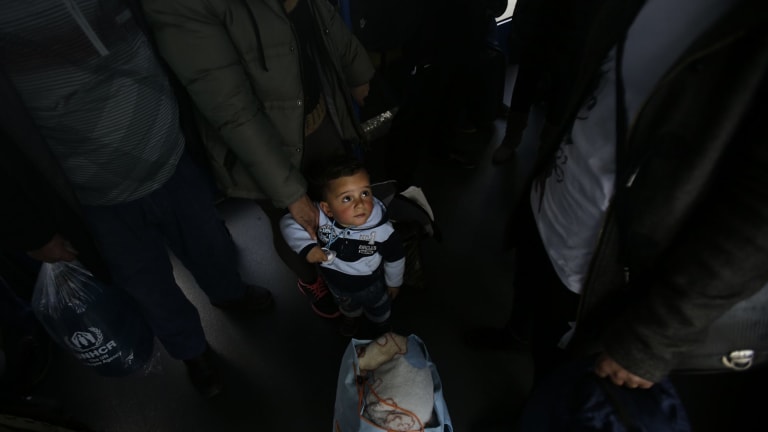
(301, 77)
(626, 274)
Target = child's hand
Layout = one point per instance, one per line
(393, 292)
(317, 255)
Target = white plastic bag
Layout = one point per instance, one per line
(355, 387)
(100, 325)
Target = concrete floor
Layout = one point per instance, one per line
(281, 369)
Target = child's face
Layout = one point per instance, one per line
(349, 199)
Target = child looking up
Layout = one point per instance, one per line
(359, 253)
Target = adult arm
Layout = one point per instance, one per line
(27, 221)
(305, 213)
(297, 238)
(718, 258)
(356, 65)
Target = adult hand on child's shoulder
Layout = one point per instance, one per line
(305, 213)
(317, 255)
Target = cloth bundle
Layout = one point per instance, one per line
(389, 384)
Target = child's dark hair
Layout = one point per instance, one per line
(334, 169)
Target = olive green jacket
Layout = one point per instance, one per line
(240, 62)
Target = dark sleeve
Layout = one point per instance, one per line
(26, 221)
(719, 258)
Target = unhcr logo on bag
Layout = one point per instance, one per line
(88, 345)
(86, 340)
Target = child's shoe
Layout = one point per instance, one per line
(320, 297)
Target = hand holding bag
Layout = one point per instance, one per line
(99, 325)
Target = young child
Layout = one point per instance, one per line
(359, 253)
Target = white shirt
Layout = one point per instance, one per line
(579, 191)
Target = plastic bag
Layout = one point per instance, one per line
(100, 325)
(573, 398)
(354, 387)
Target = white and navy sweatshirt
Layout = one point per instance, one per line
(360, 251)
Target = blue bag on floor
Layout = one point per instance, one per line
(389, 384)
(100, 325)
(573, 398)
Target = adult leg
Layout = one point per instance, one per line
(24, 345)
(131, 239)
(523, 93)
(199, 238)
(543, 306)
(134, 249)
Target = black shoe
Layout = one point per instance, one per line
(494, 338)
(202, 372)
(348, 327)
(256, 299)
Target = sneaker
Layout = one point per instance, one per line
(203, 375)
(256, 299)
(348, 326)
(322, 301)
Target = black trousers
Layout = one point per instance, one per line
(543, 306)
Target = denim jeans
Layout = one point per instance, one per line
(134, 238)
(374, 301)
